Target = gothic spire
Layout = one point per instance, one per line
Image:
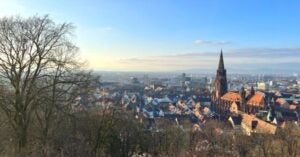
(221, 79)
(221, 62)
(252, 91)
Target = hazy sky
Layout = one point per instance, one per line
(162, 35)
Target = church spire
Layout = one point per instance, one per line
(221, 62)
(221, 79)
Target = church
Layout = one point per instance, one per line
(227, 103)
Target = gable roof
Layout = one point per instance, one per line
(258, 99)
(231, 96)
(261, 126)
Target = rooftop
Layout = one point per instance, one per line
(261, 127)
(231, 96)
(257, 99)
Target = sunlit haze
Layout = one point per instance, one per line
(170, 35)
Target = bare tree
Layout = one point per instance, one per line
(31, 50)
(289, 139)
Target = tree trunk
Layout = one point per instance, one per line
(22, 141)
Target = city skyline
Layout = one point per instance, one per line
(255, 36)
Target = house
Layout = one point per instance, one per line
(251, 124)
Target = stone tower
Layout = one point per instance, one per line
(243, 99)
(221, 79)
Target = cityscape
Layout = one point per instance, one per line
(149, 78)
(254, 103)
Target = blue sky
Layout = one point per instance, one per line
(166, 35)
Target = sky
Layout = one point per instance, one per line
(173, 35)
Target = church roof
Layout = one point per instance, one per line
(231, 96)
(258, 99)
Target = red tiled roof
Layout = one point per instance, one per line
(262, 126)
(280, 101)
(293, 107)
(257, 99)
(231, 96)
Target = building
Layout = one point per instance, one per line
(221, 79)
(226, 103)
(251, 124)
(220, 88)
(240, 107)
(261, 85)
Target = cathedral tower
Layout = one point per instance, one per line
(221, 79)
